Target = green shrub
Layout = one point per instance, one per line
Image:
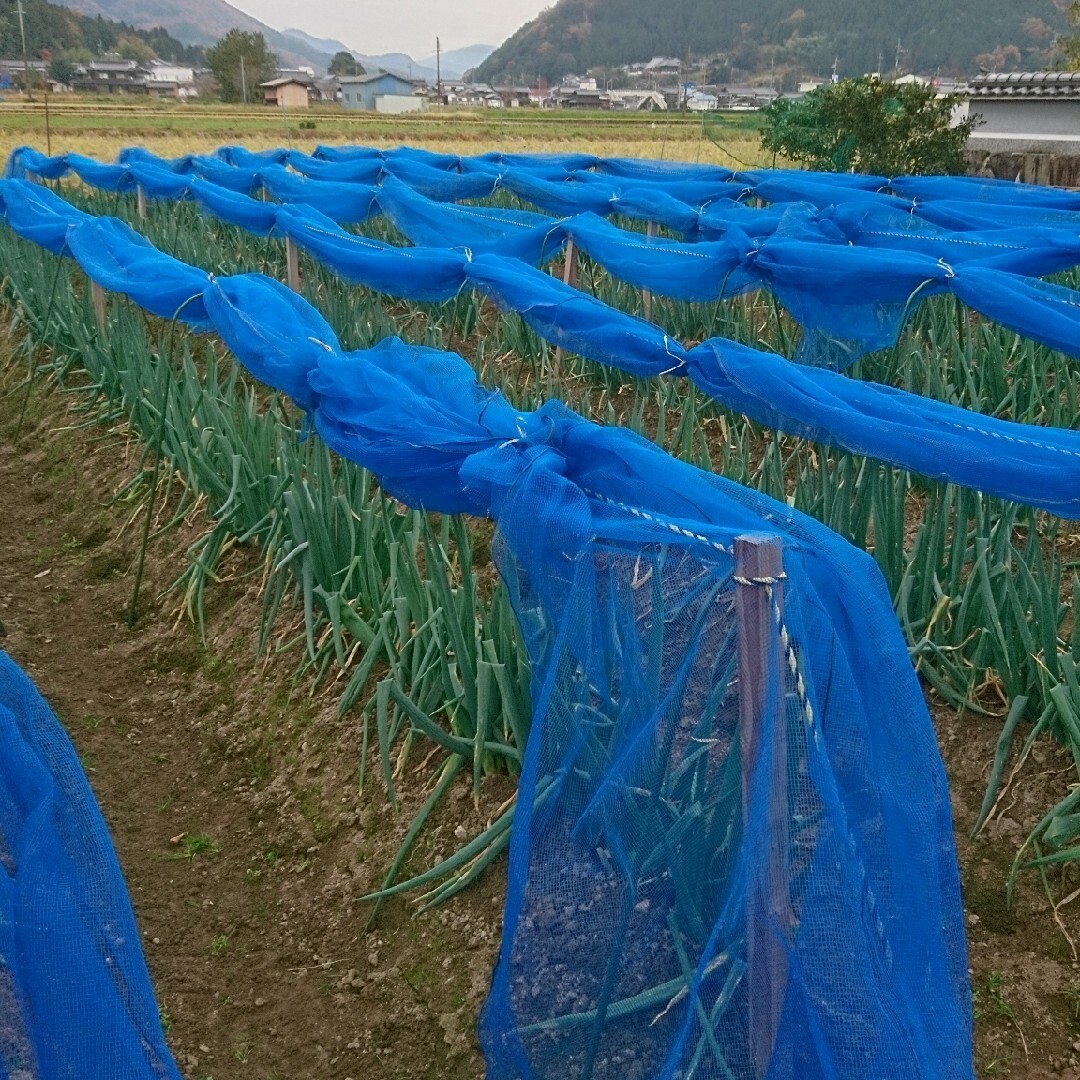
(869, 125)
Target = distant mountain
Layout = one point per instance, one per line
(59, 29)
(793, 38)
(328, 46)
(202, 22)
(455, 62)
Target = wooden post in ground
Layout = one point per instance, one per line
(569, 277)
(97, 296)
(140, 202)
(759, 605)
(646, 294)
(292, 264)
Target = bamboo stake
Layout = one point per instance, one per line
(140, 202)
(759, 608)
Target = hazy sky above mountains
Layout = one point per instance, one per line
(408, 26)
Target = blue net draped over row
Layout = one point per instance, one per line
(732, 855)
(75, 996)
(1025, 463)
(896, 258)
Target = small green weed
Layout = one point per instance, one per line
(191, 844)
(242, 1050)
(219, 945)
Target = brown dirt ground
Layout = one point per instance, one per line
(258, 952)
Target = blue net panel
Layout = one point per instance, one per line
(75, 997)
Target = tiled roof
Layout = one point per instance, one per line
(1027, 84)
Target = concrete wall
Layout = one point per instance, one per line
(1017, 117)
(396, 104)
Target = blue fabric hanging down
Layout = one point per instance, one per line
(347, 203)
(76, 996)
(39, 215)
(360, 171)
(517, 234)
(643, 897)
(121, 260)
(426, 274)
(703, 271)
(440, 184)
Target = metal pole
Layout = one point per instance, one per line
(48, 122)
(26, 63)
(759, 605)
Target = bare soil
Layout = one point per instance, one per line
(257, 944)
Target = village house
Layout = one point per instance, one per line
(109, 77)
(288, 92)
(362, 91)
(170, 80)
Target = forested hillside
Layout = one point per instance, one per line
(63, 31)
(791, 37)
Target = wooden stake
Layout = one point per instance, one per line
(292, 264)
(97, 295)
(570, 267)
(646, 294)
(140, 202)
(569, 277)
(759, 604)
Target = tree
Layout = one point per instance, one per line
(869, 125)
(240, 61)
(61, 70)
(133, 48)
(344, 63)
(1070, 44)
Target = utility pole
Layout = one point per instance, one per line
(899, 52)
(243, 79)
(25, 63)
(438, 72)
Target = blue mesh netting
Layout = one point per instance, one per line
(732, 854)
(75, 997)
(1030, 464)
(848, 261)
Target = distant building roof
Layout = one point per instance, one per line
(1027, 84)
(373, 76)
(285, 82)
(663, 63)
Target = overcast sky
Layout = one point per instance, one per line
(408, 26)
